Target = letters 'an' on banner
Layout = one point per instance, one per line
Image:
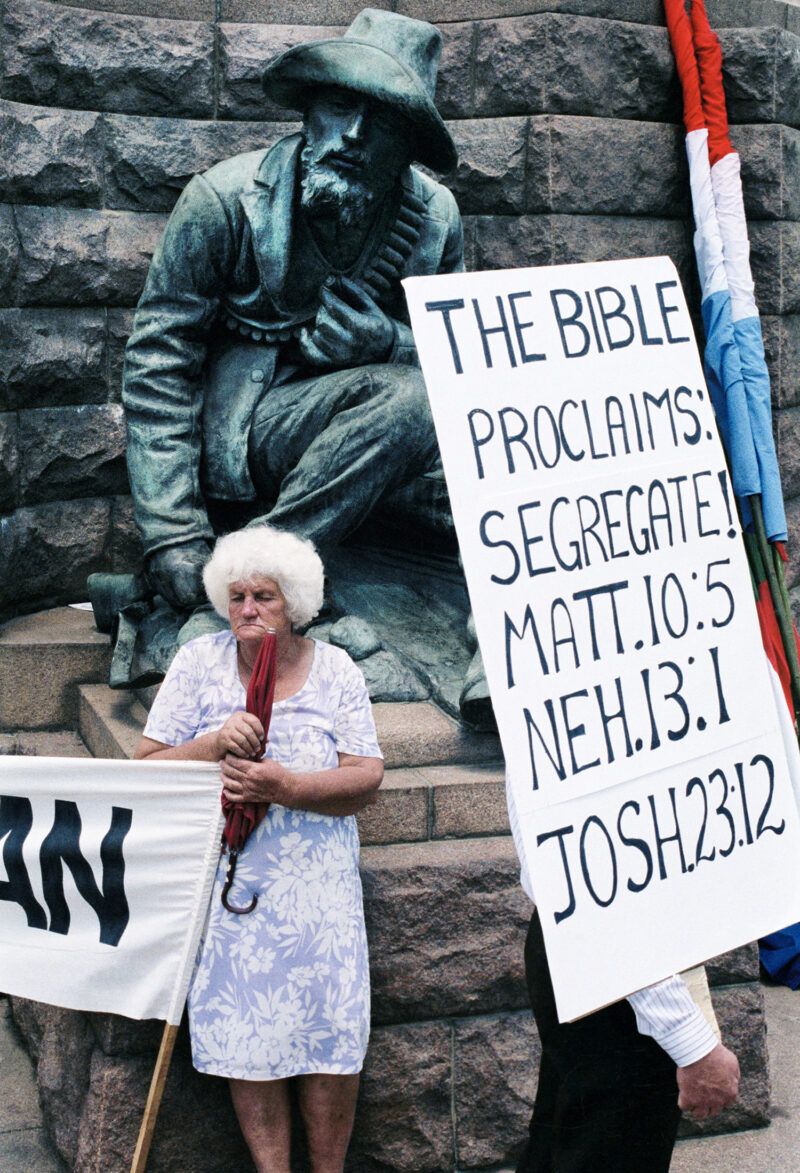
(105, 879)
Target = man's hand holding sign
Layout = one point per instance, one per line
(648, 784)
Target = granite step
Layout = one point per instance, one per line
(53, 668)
(42, 659)
(424, 799)
(57, 743)
(410, 734)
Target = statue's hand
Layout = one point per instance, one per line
(350, 328)
(176, 573)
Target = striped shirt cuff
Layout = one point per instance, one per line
(668, 1013)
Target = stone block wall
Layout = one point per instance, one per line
(567, 118)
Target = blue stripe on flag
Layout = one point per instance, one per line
(726, 384)
(747, 333)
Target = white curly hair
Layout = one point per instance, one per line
(261, 551)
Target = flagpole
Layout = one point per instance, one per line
(180, 990)
(157, 1084)
(780, 599)
(787, 606)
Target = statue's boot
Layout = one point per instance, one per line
(475, 702)
(111, 593)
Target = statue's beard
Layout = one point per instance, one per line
(327, 193)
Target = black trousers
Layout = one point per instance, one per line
(607, 1100)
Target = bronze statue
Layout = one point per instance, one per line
(271, 373)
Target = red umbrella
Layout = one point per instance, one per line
(242, 818)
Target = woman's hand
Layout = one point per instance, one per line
(240, 736)
(343, 790)
(248, 781)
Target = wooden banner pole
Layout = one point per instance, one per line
(154, 1098)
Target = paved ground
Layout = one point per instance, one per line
(766, 1150)
(24, 1148)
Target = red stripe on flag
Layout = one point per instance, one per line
(680, 34)
(773, 644)
(709, 58)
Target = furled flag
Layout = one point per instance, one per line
(734, 354)
(734, 362)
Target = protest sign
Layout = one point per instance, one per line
(615, 616)
(106, 873)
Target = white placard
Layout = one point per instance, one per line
(615, 615)
(105, 876)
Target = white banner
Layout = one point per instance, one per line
(105, 876)
(615, 615)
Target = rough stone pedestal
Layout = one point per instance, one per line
(449, 1077)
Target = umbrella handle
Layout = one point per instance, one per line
(233, 857)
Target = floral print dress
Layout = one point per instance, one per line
(283, 990)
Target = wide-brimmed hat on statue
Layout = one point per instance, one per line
(388, 57)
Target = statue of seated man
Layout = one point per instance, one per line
(271, 368)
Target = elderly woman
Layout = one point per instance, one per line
(282, 992)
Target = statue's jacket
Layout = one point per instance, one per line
(216, 311)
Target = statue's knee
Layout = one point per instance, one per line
(403, 391)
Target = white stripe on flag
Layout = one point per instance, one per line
(727, 187)
(707, 239)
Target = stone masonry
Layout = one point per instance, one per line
(568, 121)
